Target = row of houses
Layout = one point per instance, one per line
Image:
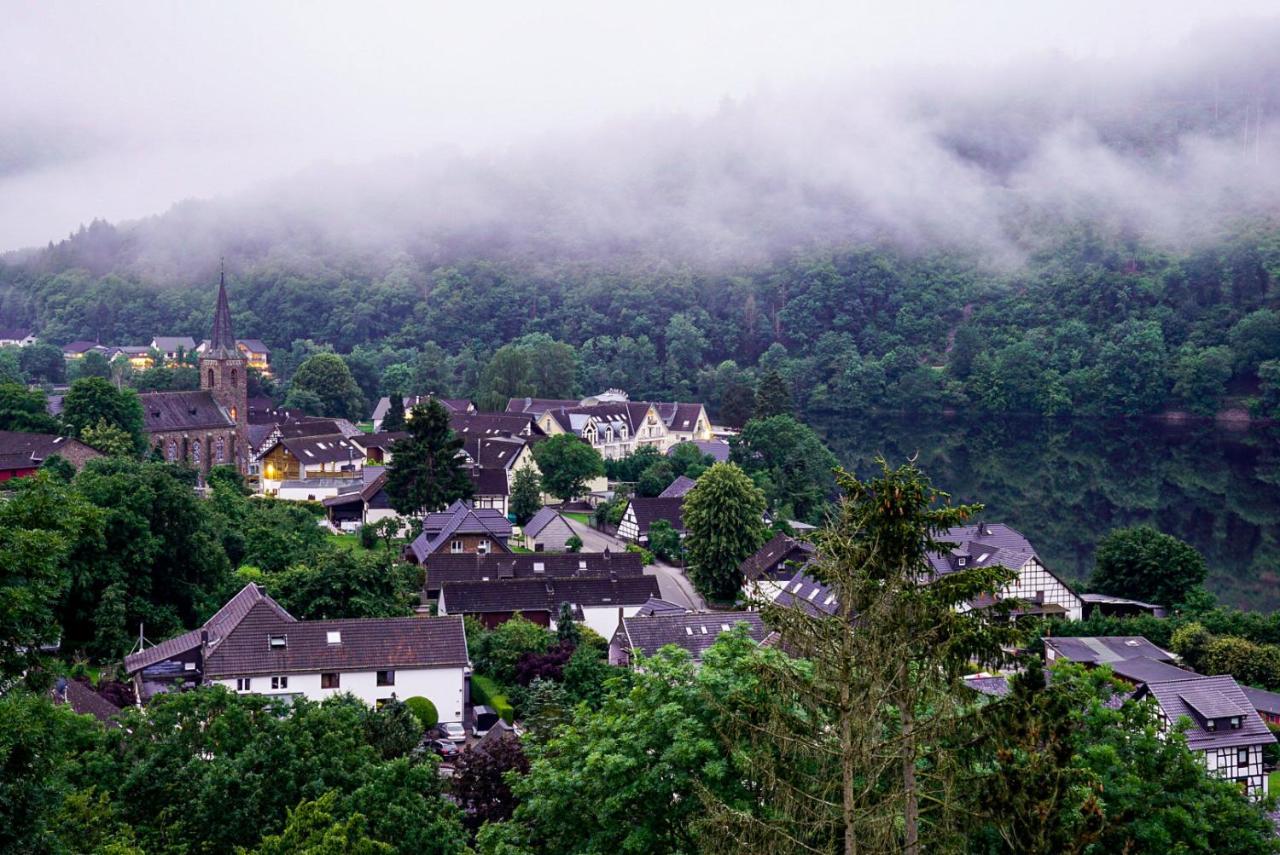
(168, 350)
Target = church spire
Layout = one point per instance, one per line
(222, 342)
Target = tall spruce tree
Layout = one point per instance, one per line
(426, 472)
(773, 398)
(858, 752)
(394, 419)
(724, 518)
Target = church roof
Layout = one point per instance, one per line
(168, 411)
(222, 343)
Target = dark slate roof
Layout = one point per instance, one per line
(995, 686)
(1142, 669)
(813, 596)
(648, 511)
(1262, 700)
(21, 450)
(678, 488)
(546, 595)
(84, 700)
(222, 341)
(367, 644)
(500, 730)
(311, 426)
(1210, 697)
(982, 545)
(326, 448)
(14, 333)
(459, 518)
(468, 425)
(254, 345)
(717, 448)
(1106, 650)
(693, 632)
(169, 411)
(444, 567)
(257, 434)
(537, 406)
(373, 480)
(656, 606)
(779, 558)
(457, 405)
(216, 628)
(79, 346)
(488, 482)
(543, 518)
(493, 452)
(381, 439)
(679, 417)
(174, 343)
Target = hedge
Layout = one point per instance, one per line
(484, 691)
(424, 711)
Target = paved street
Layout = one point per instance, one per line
(672, 583)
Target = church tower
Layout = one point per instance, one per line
(223, 374)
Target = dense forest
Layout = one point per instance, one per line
(1096, 323)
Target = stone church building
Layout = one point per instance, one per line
(209, 427)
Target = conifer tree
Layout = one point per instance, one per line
(773, 398)
(394, 419)
(426, 472)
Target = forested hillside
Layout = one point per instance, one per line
(1094, 324)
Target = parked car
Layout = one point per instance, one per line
(485, 718)
(453, 730)
(445, 749)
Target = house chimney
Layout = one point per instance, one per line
(982, 529)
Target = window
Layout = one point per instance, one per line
(279, 642)
(1236, 723)
(1040, 597)
(279, 682)
(455, 546)
(233, 377)
(329, 681)
(483, 547)
(195, 452)
(220, 450)
(1210, 725)
(171, 451)
(243, 684)
(1242, 756)
(333, 636)
(386, 678)
(210, 386)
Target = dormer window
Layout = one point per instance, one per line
(278, 642)
(1210, 724)
(961, 561)
(1236, 723)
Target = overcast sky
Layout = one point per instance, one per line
(117, 110)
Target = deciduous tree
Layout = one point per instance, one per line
(567, 464)
(723, 516)
(426, 473)
(1144, 564)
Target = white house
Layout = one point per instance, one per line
(598, 601)
(546, 530)
(16, 337)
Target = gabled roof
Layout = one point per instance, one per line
(487, 482)
(373, 480)
(693, 632)
(648, 511)
(84, 700)
(543, 518)
(1143, 669)
(471, 567)
(326, 448)
(172, 411)
(1106, 649)
(546, 595)
(806, 592)
(459, 518)
(216, 628)
(467, 425)
(538, 406)
(678, 488)
(81, 346)
(779, 558)
(982, 545)
(21, 450)
(14, 333)
(1262, 700)
(680, 417)
(382, 439)
(493, 452)
(656, 606)
(362, 645)
(174, 343)
(457, 405)
(1198, 698)
(253, 345)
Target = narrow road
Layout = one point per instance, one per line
(674, 586)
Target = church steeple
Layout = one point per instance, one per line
(222, 343)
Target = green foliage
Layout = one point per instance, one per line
(394, 419)
(59, 467)
(665, 542)
(93, 401)
(109, 439)
(327, 377)
(495, 652)
(426, 473)
(526, 494)
(567, 464)
(645, 555)
(573, 543)
(25, 410)
(313, 828)
(392, 730)
(485, 692)
(723, 516)
(424, 711)
(33, 578)
(789, 463)
(342, 583)
(773, 398)
(630, 468)
(1249, 662)
(656, 478)
(687, 459)
(1143, 564)
(44, 362)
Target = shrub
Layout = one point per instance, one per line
(573, 544)
(485, 691)
(424, 711)
(368, 537)
(645, 555)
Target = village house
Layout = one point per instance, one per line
(366, 502)
(1224, 727)
(642, 512)
(139, 357)
(773, 565)
(174, 347)
(77, 349)
(453, 405)
(1109, 606)
(443, 568)
(1266, 703)
(209, 427)
(83, 700)
(598, 601)
(460, 529)
(255, 353)
(310, 467)
(645, 635)
(678, 488)
(547, 530)
(252, 645)
(615, 425)
(22, 453)
(16, 337)
(377, 447)
(489, 488)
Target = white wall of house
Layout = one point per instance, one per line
(605, 619)
(1034, 580)
(302, 493)
(552, 538)
(1225, 763)
(629, 527)
(444, 687)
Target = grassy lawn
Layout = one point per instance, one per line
(578, 517)
(344, 541)
(1273, 780)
